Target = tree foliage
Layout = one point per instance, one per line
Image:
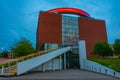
(22, 47)
(4, 54)
(116, 47)
(102, 49)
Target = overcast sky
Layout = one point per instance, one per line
(19, 18)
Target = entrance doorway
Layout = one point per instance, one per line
(72, 60)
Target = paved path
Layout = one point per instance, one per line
(2, 61)
(69, 74)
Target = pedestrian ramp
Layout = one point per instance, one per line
(26, 63)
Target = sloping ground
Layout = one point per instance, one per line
(112, 63)
(2, 61)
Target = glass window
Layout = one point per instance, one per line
(70, 34)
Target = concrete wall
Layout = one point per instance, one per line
(96, 67)
(93, 66)
(50, 46)
(82, 53)
(29, 64)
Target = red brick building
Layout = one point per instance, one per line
(67, 30)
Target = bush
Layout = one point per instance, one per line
(102, 49)
(116, 47)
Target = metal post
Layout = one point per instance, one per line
(43, 67)
(60, 64)
(9, 67)
(68, 64)
(64, 61)
(2, 69)
(53, 61)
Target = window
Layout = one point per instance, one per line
(70, 34)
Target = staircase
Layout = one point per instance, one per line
(10, 71)
(26, 63)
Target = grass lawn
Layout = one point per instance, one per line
(112, 63)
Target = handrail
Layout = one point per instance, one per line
(19, 59)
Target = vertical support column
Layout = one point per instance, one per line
(43, 67)
(68, 63)
(60, 64)
(2, 69)
(82, 53)
(53, 63)
(64, 61)
(46, 46)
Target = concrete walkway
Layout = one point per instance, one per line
(2, 61)
(69, 74)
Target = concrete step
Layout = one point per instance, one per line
(12, 71)
(7, 74)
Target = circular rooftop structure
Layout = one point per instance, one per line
(69, 11)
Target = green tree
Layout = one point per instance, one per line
(116, 47)
(102, 49)
(21, 47)
(0, 56)
(4, 54)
